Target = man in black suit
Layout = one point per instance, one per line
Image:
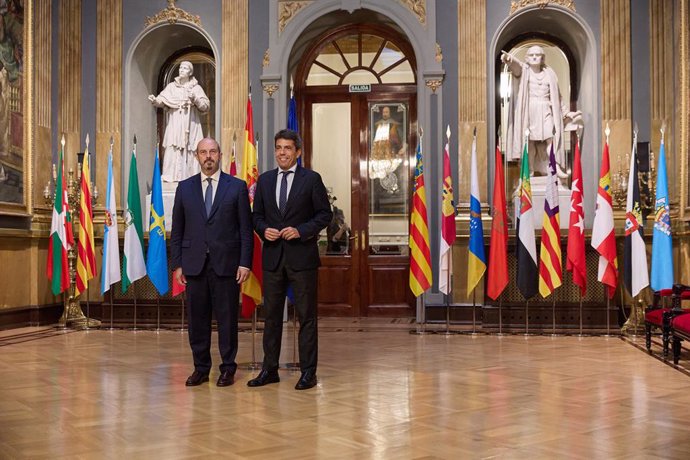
(291, 207)
(211, 250)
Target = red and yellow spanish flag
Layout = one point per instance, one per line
(420, 254)
(86, 257)
(251, 289)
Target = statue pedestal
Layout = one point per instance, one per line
(538, 185)
(169, 189)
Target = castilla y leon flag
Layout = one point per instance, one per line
(420, 254)
(476, 258)
(635, 269)
(251, 289)
(526, 247)
(550, 262)
(445, 272)
(497, 278)
(603, 235)
(86, 257)
(61, 237)
(575, 256)
(662, 245)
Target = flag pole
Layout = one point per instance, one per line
(182, 311)
(500, 314)
(581, 335)
(446, 297)
(553, 314)
(158, 313)
(527, 317)
(111, 310)
(608, 321)
(474, 311)
(134, 294)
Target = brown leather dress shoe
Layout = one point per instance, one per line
(197, 378)
(264, 378)
(226, 379)
(307, 380)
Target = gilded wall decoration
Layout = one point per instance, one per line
(270, 88)
(516, 5)
(434, 83)
(267, 58)
(418, 7)
(439, 53)
(172, 14)
(288, 10)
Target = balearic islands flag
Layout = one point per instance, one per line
(498, 252)
(156, 256)
(420, 254)
(134, 267)
(635, 268)
(110, 273)
(251, 289)
(662, 246)
(86, 257)
(61, 237)
(476, 257)
(603, 236)
(526, 247)
(576, 262)
(445, 272)
(550, 261)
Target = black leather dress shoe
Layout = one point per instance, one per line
(226, 379)
(307, 380)
(264, 378)
(197, 378)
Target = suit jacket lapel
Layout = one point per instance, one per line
(223, 182)
(272, 179)
(196, 193)
(297, 184)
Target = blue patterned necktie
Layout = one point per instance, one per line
(208, 197)
(282, 199)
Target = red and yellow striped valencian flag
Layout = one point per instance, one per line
(420, 255)
(86, 257)
(251, 289)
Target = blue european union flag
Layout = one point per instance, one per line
(156, 257)
(662, 247)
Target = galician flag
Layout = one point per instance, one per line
(476, 257)
(86, 257)
(575, 261)
(420, 252)
(526, 247)
(61, 236)
(110, 273)
(497, 277)
(445, 272)
(662, 247)
(603, 235)
(134, 267)
(156, 256)
(550, 261)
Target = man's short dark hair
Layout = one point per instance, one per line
(289, 135)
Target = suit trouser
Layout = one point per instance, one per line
(304, 285)
(209, 293)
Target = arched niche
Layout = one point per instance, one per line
(143, 62)
(575, 36)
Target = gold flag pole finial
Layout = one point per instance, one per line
(663, 130)
(448, 132)
(607, 131)
(62, 141)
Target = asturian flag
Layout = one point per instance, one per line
(156, 256)
(603, 235)
(662, 246)
(61, 236)
(550, 261)
(635, 269)
(476, 258)
(134, 267)
(445, 272)
(498, 251)
(420, 253)
(110, 273)
(576, 262)
(526, 248)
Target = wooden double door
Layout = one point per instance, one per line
(363, 145)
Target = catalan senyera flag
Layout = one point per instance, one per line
(252, 288)
(420, 253)
(445, 272)
(662, 245)
(526, 247)
(476, 256)
(497, 277)
(550, 261)
(635, 268)
(61, 236)
(575, 256)
(603, 235)
(86, 256)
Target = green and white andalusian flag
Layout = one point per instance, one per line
(133, 266)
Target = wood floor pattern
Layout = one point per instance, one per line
(382, 394)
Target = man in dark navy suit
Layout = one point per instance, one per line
(291, 207)
(211, 250)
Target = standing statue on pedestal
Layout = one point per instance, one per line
(536, 105)
(184, 99)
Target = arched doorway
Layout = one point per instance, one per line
(357, 91)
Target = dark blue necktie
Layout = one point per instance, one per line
(282, 198)
(208, 198)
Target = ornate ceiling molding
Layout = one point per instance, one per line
(418, 7)
(516, 5)
(287, 10)
(172, 14)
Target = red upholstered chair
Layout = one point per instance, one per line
(658, 317)
(681, 331)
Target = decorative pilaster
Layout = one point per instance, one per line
(108, 88)
(235, 71)
(683, 125)
(43, 81)
(69, 78)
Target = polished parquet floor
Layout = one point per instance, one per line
(383, 394)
